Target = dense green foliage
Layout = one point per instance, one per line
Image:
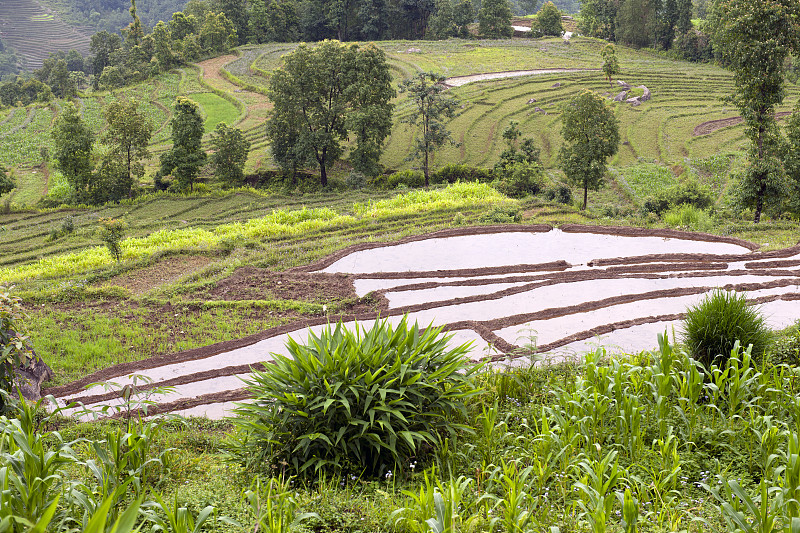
(610, 63)
(494, 19)
(73, 152)
(7, 183)
(321, 97)
(712, 327)
(755, 39)
(654, 23)
(362, 401)
(184, 159)
(431, 107)
(15, 350)
(548, 20)
(128, 134)
(230, 154)
(591, 136)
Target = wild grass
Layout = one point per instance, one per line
(279, 224)
(215, 110)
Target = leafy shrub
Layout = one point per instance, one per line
(500, 214)
(14, 347)
(409, 178)
(688, 193)
(520, 179)
(358, 401)
(559, 193)
(786, 348)
(688, 216)
(356, 180)
(451, 173)
(113, 231)
(59, 190)
(713, 326)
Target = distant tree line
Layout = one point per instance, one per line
(659, 24)
(134, 56)
(9, 62)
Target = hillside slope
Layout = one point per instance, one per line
(35, 31)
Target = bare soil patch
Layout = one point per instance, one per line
(335, 290)
(713, 125)
(143, 280)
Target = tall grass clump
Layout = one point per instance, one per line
(688, 216)
(712, 327)
(454, 196)
(358, 401)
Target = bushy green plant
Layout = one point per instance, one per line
(687, 193)
(502, 214)
(786, 348)
(688, 216)
(520, 179)
(409, 178)
(559, 193)
(452, 172)
(712, 327)
(357, 400)
(14, 347)
(112, 233)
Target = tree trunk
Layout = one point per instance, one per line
(585, 197)
(760, 201)
(425, 169)
(323, 172)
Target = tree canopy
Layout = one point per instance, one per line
(431, 107)
(184, 160)
(755, 40)
(324, 94)
(591, 136)
(494, 19)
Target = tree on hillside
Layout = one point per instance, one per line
(133, 33)
(591, 136)
(441, 25)
(73, 151)
(102, 45)
(756, 39)
(322, 96)
(230, 154)
(548, 20)
(128, 135)
(463, 16)
(635, 23)
(186, 157)
(217, 35)
(598, 19)
(274, 21)
(431, 108)
(791, 160)
(684, 22)
(236, 11)
(610, 63)
(6, 182)
(494, 19)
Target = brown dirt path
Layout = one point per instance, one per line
(256, 105)
(713, 125)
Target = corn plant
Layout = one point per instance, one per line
(630, 510)
(175, 518)
(275, 511)
(437, 508)
(750, 514)
(595, 489)
(31, 474)
(517, 504)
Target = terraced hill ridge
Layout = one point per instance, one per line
(35, 32)
(567, 288)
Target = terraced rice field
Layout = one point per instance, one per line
(35, 32)
(661, 131)
(568, 289)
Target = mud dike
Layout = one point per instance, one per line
(571, 288)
